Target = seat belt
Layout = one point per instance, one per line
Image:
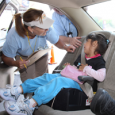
(111, 38)
(83, 61)
(86, 87)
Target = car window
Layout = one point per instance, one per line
(103, 14)
(25, 4)
(5, 20)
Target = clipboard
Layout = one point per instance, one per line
(35, 56)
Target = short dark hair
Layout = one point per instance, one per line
(102, 42)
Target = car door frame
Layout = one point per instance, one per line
(7, 72)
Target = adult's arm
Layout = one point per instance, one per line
(60, 44)
(11, 62)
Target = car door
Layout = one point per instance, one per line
(7, 9)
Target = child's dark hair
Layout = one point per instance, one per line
(103, 42)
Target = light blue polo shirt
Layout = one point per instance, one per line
(61, 25)
(17, 45)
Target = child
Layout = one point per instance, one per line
(47, 86)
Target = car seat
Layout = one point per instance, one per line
(107, 84)
(6, 77)
(6, 73)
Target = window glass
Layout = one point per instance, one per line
(103, 14)
(25, 4)
(5, 20)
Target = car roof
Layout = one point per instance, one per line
(70, 3)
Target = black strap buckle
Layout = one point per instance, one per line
(70, 34)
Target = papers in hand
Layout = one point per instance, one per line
(35, 56)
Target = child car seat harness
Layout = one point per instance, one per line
(88, 81)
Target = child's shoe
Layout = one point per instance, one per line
(21, 107)
(10, 93)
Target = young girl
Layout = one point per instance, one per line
(47, 86)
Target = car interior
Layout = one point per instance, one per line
(77, 12)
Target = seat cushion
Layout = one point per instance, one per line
(4, 113)
(46, 110)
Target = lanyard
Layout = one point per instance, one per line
(29, 41)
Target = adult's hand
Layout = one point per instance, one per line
(20, 64)
(11, 62)
(75, 41)
(70, 48)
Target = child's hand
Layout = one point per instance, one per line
(66, 64)
(81, 67)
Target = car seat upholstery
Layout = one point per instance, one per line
(108, 84)
(6, 77)
(6, 74)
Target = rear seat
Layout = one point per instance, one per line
(6, 77)
(6, 73)
(108, 83)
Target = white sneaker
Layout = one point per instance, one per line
(10, 93)
(21, 107)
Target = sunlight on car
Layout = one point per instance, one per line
(1, 1)
(103, 14)
(6, 17)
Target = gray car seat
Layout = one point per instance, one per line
(6, 77)
(108, 83)
(6, 74)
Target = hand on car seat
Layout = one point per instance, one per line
(75, 41)
(70, 48)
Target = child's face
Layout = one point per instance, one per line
(90, 47)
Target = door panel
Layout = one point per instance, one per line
(7, 10)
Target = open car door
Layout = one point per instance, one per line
(7, 9)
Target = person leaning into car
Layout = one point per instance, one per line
(64, 27)
(31, 31)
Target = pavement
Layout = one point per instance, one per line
(58, 56)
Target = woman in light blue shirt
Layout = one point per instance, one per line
(31, 31)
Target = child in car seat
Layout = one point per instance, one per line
(47, 86)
